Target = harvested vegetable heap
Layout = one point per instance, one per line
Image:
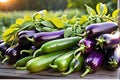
(67, 45)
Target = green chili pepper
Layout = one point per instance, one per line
(20, 64)
(62, 63)
(75, 65)
(42, 62)
(57, 45)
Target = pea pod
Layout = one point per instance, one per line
(42, 62)
(20, 64)
(75, 65)
(57, 45)
(62, 63)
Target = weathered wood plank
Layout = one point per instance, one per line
(7, 71)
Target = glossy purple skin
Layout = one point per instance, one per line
(27, 32)
(22, 35)
(23, 40)
(111, 40)
(114, 56)
(46, 36)
(13, 53)
(94, 60)
(95, 30)
(3, 47)
(88, 43)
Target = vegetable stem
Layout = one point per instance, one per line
(86, 72)
(53, 66)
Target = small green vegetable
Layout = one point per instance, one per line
(75, 65)
(42, 62)
(57, 45)
(62, 63)
(22, 62)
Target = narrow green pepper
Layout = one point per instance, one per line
(42, 62)
(75, 65)
(20, 64)
(62, 63)
(57, 45)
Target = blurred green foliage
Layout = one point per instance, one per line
(111, 4)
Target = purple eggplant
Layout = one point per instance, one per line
(3, 48)
(12, 54)
(109, 40)
(42, 37)
(95, 30)
(93, 62)
(85, 46)
(22, 37)
(112, 59)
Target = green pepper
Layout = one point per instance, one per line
(62, 63)
(20, 64)
(42, 62)
(75, 65)
(57, 45)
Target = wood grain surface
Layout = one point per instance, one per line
(8, 72)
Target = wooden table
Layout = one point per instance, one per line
(8, 72)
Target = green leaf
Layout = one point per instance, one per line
(90, 10)
(55, 20)
(101, 9)
(115, 13)
(47, 23)
(46, 29)
(68, 32)
(79, 30)
(38, 28)
(26, 25)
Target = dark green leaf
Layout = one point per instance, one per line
(47, 23)
(26, 25)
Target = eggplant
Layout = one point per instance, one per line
(12, 54)
(42, 37)
(95, 30)
(22, 40)
(112, 59)
(93, 62)
(3, 48)
(85, 46)
(109, 40)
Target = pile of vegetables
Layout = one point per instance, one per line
(44, 41)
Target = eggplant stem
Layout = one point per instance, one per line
(68, 72)
(6, 58)
(100, 42)
(25, 51)
(81, 49)
(1, 55)
(21, 68)
(37, 53)
(114, 62)
(53, 66)
(30, 39)
(86, 72)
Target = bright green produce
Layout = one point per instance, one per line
(75, 65)
(42, 62)
(62, 63)
(57, 45)
(20, 64)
